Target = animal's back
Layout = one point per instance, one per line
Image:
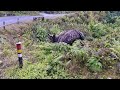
(69, 36)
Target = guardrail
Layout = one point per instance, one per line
(34, 18)
(18, 20)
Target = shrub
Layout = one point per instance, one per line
(41, 70)
(78, 54)
(39, 33)
(94, 64)
(98, 30)
(111, 16)
(116, 48)
(55, 29)
(61, 47)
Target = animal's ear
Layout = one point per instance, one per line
(49, 35)
(54, 35)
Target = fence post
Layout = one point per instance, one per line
(18, 21)
(19, 51)
(4, 25)
(42, 18)
(33, 19)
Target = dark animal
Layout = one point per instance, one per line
(68, 36)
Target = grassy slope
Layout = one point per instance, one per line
(43, 59)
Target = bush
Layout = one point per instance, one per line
(61, 47)
(111, 16)
(98, 30)
(39, 33)
(116, 48)
(94, 64)
(42, 70)
(77, 55)
(55, 29)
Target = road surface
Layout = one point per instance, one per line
(14, 19)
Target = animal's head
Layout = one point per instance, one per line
(82, 36)
(52, 38)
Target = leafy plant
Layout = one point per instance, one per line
(111, 16)
(40, 33)
(61, 47)
(55, 29)
(94, 64)
(98, 30)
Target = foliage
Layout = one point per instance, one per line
(39, 33)
(94, 64)
(98, 30)
(111, 16)
(55, 29)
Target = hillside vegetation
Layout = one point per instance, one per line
(96, 57)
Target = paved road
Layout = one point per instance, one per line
(14, 19)
(52, 16)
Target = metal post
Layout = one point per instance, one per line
(19, 51)
(33, 19)
(4, 25)
(42, 18)
(18, 21)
